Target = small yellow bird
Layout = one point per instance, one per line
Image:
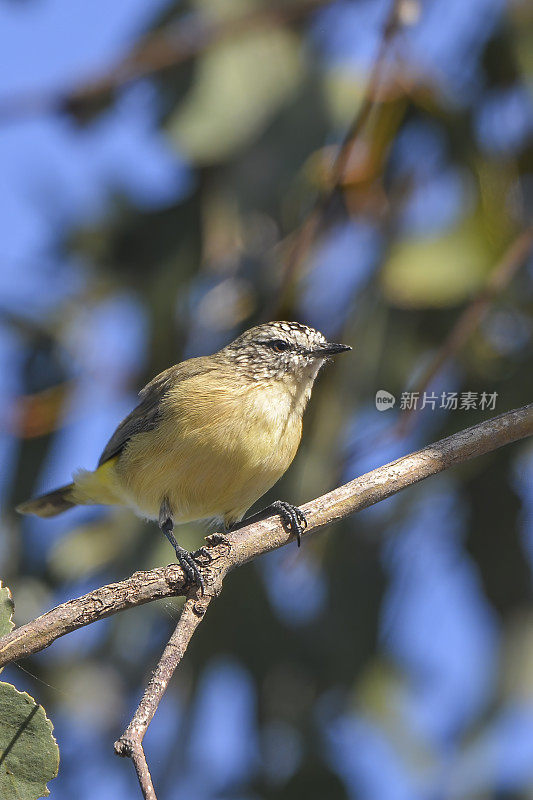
(209, 437)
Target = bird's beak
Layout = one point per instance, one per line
(330, 349)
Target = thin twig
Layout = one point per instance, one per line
(143, 773)
(130, 743)
(303, 238)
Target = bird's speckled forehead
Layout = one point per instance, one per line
(253, 356)
(293, 332)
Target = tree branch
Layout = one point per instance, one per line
(130, 743)
(266, 535)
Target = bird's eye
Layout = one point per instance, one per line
(279, 345)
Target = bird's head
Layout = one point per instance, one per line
(286, 351)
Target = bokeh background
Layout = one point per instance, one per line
(170, 175)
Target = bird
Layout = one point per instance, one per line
(208, 438)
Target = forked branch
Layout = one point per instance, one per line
(242, 546)
(268, 534)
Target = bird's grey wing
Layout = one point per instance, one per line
(145, 415)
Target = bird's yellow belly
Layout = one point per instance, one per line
(214, 470)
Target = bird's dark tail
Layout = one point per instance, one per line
(51, 504)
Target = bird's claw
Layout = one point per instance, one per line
(292, 517)
(187, 562)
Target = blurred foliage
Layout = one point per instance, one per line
(391, 657)
(245, 80)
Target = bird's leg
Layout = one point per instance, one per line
(292, 518)
(185, 559)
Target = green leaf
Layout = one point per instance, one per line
(29, 755)
(7, 608)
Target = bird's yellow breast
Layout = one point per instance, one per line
(218, 447)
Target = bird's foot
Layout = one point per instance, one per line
(293, 518)
(185, 559)
(189, 565)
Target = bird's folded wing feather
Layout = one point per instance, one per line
(145, 416)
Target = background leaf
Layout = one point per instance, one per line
(240, 84)
(434, 272)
